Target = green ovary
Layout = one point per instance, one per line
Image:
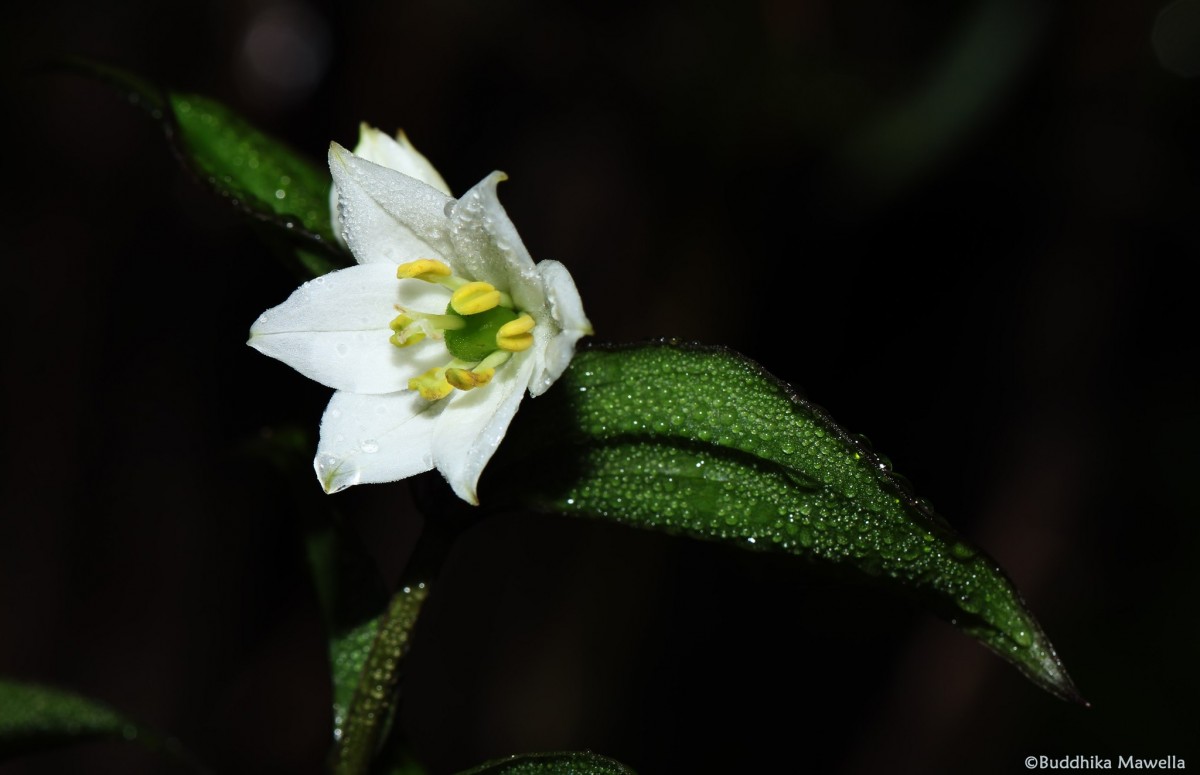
(477, 339)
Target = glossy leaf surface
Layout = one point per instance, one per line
(703, 441)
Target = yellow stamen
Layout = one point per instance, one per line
(432, 385)
(423, 269)
(406, 337)
(473, 298)
(411, 328)
(462, 379)
(514, 336)
(482, 376)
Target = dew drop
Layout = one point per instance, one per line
(343, 348)
(962, 551)
(369, 446)
(969, 603)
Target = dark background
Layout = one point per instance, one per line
(966, 228)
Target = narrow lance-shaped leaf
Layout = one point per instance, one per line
(376, 652)
(37, 718)
(705, 442)
(369, 631)
(573, 763)
(350, 590)
(281, 190)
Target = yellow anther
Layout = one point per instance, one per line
(432, 385)
(522, 325)
(399, 322)
(482, 376)
(423, 269)
(514, 336)
(405, 338)
(473, 298)
(461, 379)
(468, 379)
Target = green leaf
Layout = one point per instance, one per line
(552, 764)
(255, 171)
(369, 631)
(37, 718)
(258, 175)
(349, 588)
(703, 441)
(355, 604)
(373, 654)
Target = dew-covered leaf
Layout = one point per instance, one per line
(256, 172)
(367, 662)
(574, 763)
(350, 590)
(369, 631)
(704, 442)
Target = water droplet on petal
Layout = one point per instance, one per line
(369, 446)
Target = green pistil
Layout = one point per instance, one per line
(476, 339)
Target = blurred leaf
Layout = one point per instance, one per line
(703, 441)
(37, 718)
(966, 86)
(257, 174)
(583, 763)
(1176, 37)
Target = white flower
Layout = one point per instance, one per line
(433, 339)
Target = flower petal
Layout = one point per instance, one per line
(487, 246)
(334, 329)
(474, 423)
(566, 312)
(387, 216)
(398, 154)
(371, 439)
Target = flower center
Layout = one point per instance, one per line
(481, 329)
